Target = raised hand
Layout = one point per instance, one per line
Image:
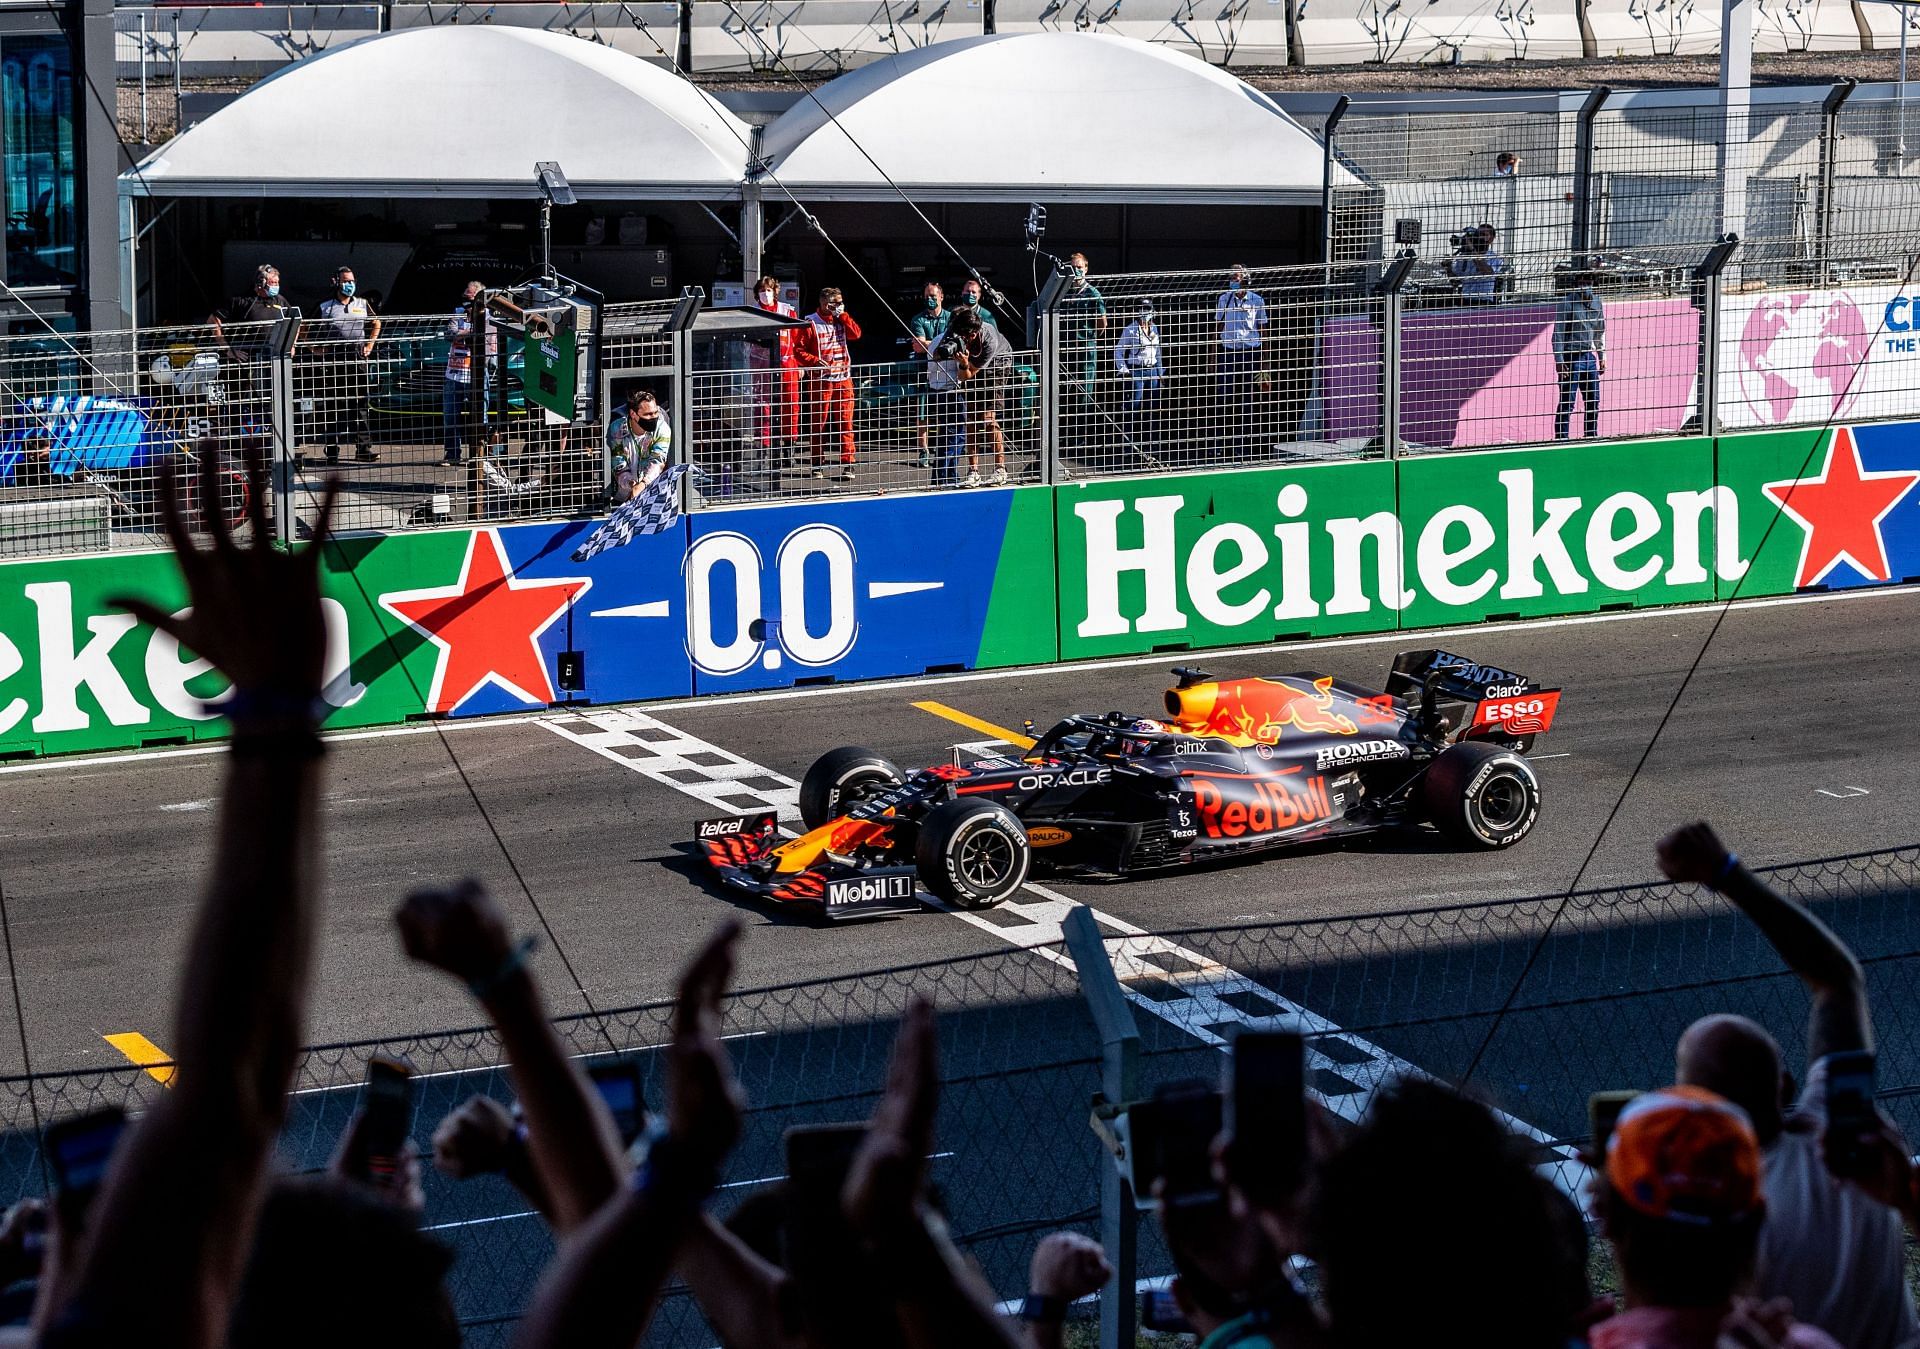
(254, 609)
(883, 1185)
(457, 928)
(475, 1139)
(703, 1100)
(1693, 853)
(1068, 1266)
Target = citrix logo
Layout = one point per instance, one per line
(1229, 575)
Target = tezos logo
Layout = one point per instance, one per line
(1360, 751)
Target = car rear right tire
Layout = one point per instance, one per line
(972, 853)
(1481, 794)
(841, 779)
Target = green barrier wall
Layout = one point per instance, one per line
(471, 621)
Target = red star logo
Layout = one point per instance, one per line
(1841, 511)
(487, 626)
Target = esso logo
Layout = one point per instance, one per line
(727, 579)
(1512, 709)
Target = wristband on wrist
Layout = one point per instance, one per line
(669, 1172)
(487, 984)
(1727, 867)
(243, 707)
(1041, 1307)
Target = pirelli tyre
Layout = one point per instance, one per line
(1481, 794)
(841, 779)
(972, 853)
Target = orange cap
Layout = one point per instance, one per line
(1686, 1154)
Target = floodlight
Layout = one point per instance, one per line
(553, 183)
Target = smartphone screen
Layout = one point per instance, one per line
(1170, 1139)
(387, 1101)
(1160, 1311)
(79, 1150)
(619, 1086)
(1603, 1112)
(1850, 1111)
(1267, 1115)
(832, 1276)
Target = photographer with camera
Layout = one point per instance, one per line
(1475, 265)
(983, 359)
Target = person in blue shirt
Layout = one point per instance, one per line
(1579, 353)
(1238, 315)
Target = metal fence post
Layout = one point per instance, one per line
(145, 135)
(1829, 155)
(680, 384)
(1708, 289)
(1334, 114)
(1580, 237)
(1120, 1084)
(280, 419)
(1050, 398)
(1391, 282)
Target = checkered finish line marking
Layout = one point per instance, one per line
(1190, 991)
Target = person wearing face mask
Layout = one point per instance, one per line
(1137, 359)
(350, 328)
(780, 405)
(927, 327)
(1579, 353)
(825, 354)
(641, 441)
(1238, 315)
(1083, 328)
(970, 299)
(264, 306)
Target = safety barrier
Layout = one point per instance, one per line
(1619, 975)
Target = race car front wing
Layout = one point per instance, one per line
(743, 851)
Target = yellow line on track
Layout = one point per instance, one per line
(138, 1049)
(974, 723)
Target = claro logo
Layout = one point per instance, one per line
(1260, 807)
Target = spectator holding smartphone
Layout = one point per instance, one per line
(1829, 1246)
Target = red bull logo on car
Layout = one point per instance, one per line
(1257, 711)
(1232, 808)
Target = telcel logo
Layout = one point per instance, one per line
(720, 828)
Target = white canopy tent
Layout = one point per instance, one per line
(1081, 117)
(461, 110)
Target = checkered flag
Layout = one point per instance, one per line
(657, 507)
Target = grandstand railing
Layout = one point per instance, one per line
(1434, 350)
(1618, 974)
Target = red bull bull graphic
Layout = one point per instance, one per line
(1258, 711)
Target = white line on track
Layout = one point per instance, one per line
(1189, 990)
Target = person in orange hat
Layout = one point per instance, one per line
(1683, 1206)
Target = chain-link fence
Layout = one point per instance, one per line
(773, 432)
(92, 421)
(1176, 370)
(1545, 999)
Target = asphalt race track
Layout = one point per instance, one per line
(1793, 737)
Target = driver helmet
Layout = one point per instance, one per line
(1129, 745)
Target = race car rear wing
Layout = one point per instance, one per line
(1505, 704)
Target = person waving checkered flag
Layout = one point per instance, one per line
(654, 509)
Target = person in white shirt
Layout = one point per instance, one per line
(1137, 358)
(349, 328)
(1827, 1245)
(1476, 265)
(1238, 316)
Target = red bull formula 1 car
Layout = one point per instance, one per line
(1236, 766)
